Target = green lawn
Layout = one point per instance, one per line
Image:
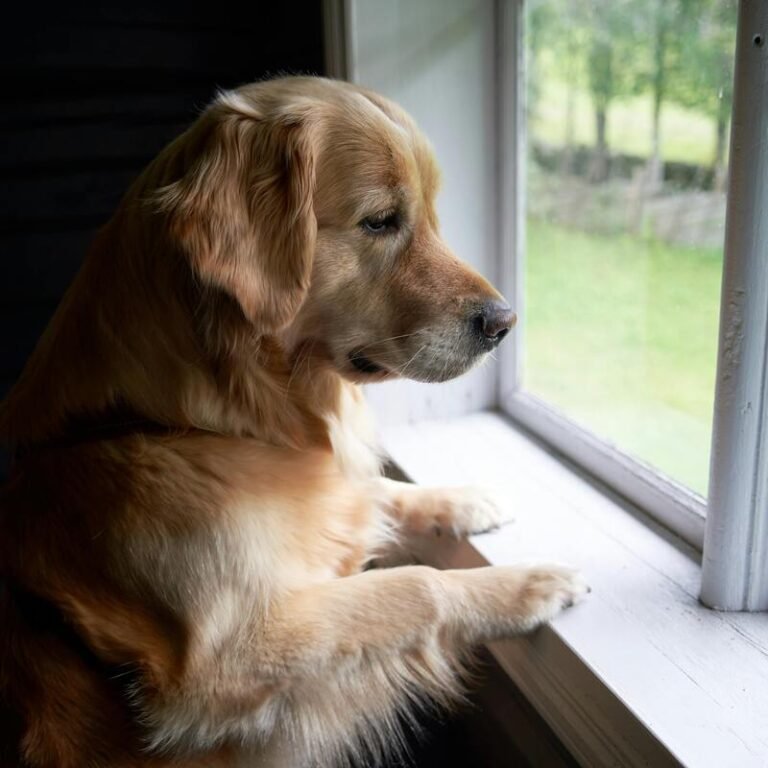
(686, 135)
(621, 333)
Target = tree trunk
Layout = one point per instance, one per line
(600, 161)
(655, 168)
(720, 171)
(565, 166)
(566, 162)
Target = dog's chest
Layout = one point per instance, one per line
(353, 437)
(324, 517)
(362, 534)
(336, 531)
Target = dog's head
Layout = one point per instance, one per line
(312, 203)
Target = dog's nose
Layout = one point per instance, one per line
(495, 320)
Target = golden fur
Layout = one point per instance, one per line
(196, 492)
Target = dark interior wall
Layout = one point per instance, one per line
(90, 95)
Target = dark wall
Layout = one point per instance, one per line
(89, 97)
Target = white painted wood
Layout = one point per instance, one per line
(511, 143)
(640, 674)
(437, 59)
(673, 505)
(735, 574)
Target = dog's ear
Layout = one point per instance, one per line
(242, 209)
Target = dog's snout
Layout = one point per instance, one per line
(495, 320)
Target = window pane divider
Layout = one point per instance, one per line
(673, 505)
(510, 144)
(735, 566)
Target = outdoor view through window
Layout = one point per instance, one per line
(628, 113)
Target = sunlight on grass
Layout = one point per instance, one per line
(687, 136)
(621, 333)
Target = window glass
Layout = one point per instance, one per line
(628, 108)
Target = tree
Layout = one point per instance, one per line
(614, 63)
(553, 25)
(707, 58)
(667, 31)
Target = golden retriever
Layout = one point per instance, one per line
(196, 492)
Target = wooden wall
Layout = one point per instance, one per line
(89, 97)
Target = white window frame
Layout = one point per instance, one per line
(735, 565)
(735, 545)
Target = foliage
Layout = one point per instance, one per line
(686, 133)
(678, 51)
(707, 55)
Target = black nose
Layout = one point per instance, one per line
(495, 320)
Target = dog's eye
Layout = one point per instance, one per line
(380, 223)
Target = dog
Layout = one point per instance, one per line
(196, 492)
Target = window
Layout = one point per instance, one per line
(618, 115)
(627, 110)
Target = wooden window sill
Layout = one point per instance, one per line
(638, 675)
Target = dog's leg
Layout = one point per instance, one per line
(331, 653)
(384, 611)
(353, 650)
(457, 511)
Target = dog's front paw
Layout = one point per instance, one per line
(546, 590)
(471, 510)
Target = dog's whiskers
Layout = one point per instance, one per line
(403, 368)
(390, 338)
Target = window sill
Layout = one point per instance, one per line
(640, 674)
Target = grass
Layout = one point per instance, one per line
(686, 135)
(621, 333)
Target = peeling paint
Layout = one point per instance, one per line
(734, 331)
